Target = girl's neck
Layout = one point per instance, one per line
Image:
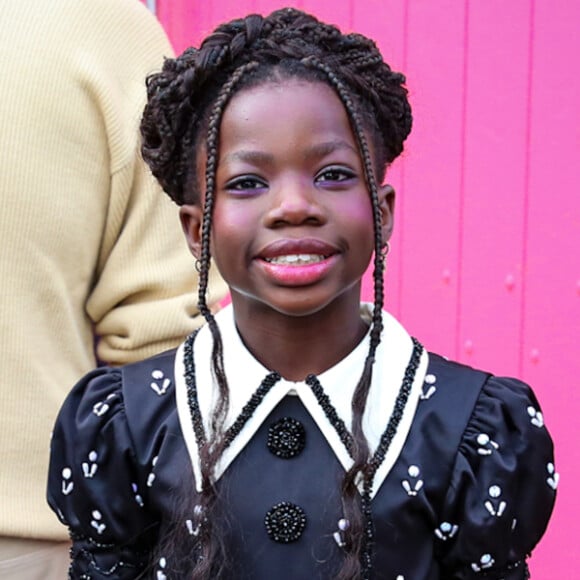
(296, 346)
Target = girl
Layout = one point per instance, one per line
(299, 434)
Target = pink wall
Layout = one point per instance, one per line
(485, 263)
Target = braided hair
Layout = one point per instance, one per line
(186, 102)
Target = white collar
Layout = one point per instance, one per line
(245, 373)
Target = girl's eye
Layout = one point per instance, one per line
(334, 174)
(245, 183)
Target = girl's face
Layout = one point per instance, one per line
(292, 227)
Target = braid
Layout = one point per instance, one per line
(210, 175)
(211, 450)
(360, 454)
(186, 103)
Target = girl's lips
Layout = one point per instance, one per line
(297, 273)
(296, 259)
(284, 250)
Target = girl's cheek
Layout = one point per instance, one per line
(234, 216)
(357, 210)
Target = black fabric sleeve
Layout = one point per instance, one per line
(96, 486)
(502, 490)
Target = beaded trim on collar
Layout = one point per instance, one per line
(392, 357)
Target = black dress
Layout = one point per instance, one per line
(467, 494)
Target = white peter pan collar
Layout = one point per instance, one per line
(245, 373)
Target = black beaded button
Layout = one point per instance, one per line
(286, 438)
(285, 522)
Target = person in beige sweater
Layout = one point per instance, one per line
(92, 260)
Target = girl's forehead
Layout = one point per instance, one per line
(291, 109)
(308, 89)
(281, 98)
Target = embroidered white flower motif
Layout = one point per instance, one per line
(536, 417)
(429, 387)
(446, 531)
(102, 407)
(486, 445)
(553, 476)
(151, 476)
(67, 483)
(486, 561)
(495, 508)
(90, 468)
(97, 523)
(160, 389)
(414, 486)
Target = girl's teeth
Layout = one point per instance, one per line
(296, 259)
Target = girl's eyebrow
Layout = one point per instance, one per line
(320, 150)
(250, 156)
(317, 151)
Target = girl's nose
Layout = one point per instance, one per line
(295, 203)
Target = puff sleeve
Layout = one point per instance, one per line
(97, 486)
(502, 489)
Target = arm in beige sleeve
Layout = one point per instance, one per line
(145, 299)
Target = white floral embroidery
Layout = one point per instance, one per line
(102, 407)
(495, 508)
(536, 417)
(429, 387)
(151, 476)
(414, 486)
(67, 484)
(90, 468)
(486, 445)
(160, 389)
(486, 561)
(553, 476)
(446, 531)
(97, 523)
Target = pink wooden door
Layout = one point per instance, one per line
(485, 264)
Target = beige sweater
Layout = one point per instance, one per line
(89, 245)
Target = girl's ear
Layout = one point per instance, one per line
(387, 206)
(191, 221)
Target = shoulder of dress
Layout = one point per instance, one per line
(455, 376)
(157, 367)
(149, 389)
(450, 392)
(443, 364)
